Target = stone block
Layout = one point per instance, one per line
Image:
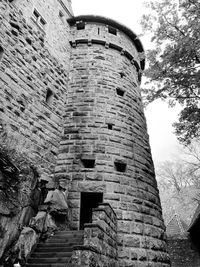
(91, 187)
(28, 238)
(132, 241)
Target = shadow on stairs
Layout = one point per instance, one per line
(56, 251)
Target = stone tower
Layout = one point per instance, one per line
(104, 154)
(71, 91)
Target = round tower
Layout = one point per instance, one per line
(105, 154)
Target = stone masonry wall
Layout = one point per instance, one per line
(33, 88)
(109, 129)
(100, 240)
(56, 30)
(103, 118)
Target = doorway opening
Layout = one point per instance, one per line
(88, 202)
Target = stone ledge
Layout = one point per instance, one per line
(108, 45)
(90, 248)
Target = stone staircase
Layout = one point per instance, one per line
(56, 251)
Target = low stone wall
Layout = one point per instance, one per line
(183, 253)
(100, 240)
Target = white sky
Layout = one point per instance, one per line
(159, 117)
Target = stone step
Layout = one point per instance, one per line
(56, 251)
(78, 237)
(50, 265)
(53, 249)
(76, 233)
(63, 240)
(49, 260)
(51, 254)
(55, 245)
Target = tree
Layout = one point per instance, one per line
(179, 184)
(178, 192)
(174, 64)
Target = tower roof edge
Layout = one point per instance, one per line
(93, 18)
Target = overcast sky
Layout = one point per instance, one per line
(159, 117)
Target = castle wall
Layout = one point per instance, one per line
(97, 70)
(77, 94)
(56, 30)
(27, 72)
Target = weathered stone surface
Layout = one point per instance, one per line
(100, 240)
(91, 187)
(50, 224)
(28, 238)
(38, 222)
(104, 119)
(15, 201)
(57, 201)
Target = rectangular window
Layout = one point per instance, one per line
(36, 15)
(120, 166)
(49, 96)
(1, 52)
(88, 163)
(110, 126)
(42, 22)
(80, 26)
(38, 19)
(120, 92)
(112, 30)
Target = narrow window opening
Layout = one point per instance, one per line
(112, 30)
(80, 26)
(98, 31)
(61, 15)
(88, 163)
(110, 126)
(120, 166)
(42, 22)
(120, 92)
(36, 15)
(89, 201)
(122, 75)
(1, 52)
(38, 19)
(49, 96)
